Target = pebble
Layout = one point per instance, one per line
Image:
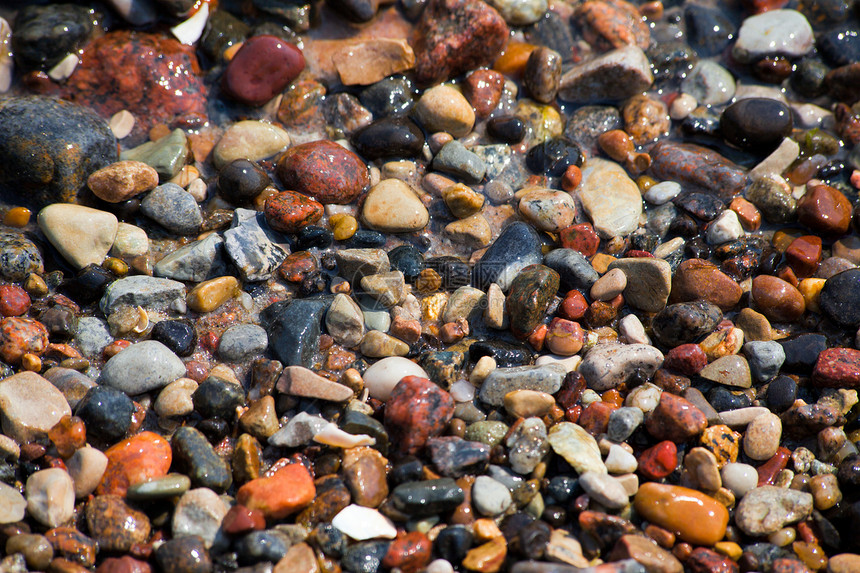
(732, 371)
(603, 489)
(114, 525)
(617, 75)
(167, 155)
(363, 523)
(134, 460)
(443, 108)
(755, 123)
(778, 300)
(416, 411)
(490, 497)
(548, 210)
(838, 296)
(81, 234)
(696, 166)
(767, 509)
(262, 56)
(50, 496)
(249, 139)
(300, 381)
(649, 282)
(501, 381)
(577, 447)
(726, 227)
(288, 212)
(776, 32)
(122, 180)
(762, 437)
(709, 83)
(691, 515)
(454, 159)
(607, 365)
(13, 505)
(241, 342)
(610, 198)
(31, 406)
(308, 169)
(681, 323)
(153, 364)
(199, 512)
(517, 247)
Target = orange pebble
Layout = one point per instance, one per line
(513, 60)
(17, 217)
(287, 491)
(140, 458)
(571, 179)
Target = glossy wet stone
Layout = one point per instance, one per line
(135, 460)
(261, 69)
(685, 322)
(416, 411)
(325, 171)
(198, 459)
(757, 124)
(186, 553)
(107, 413)
(294, 330)
(529, 296)
(427, 497)
(697, 166)
(389, 137)
(692, 515)
(115, 525)
(517, 247)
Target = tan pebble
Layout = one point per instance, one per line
(528, 403)
(754, 325)
(844, 563)
(379, 345)
(260, 419)
(703, 467)
(487, 558)
(443, 108)
(482, 369)
(472, 231)
(393, 206)
(122, 180)
(609, 285)
(762, 436)
(825, 491)
(300, 381)
(209, 295)
(299, 558)
(121, 123)
(462, 200)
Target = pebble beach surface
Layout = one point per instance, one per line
(428, 286)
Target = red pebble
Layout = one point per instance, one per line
(289, 211)
(837, 368)
(675, 419)
(687, 359)
(595, 417)
(196, 370)
(417, 410)
(124, 564)
(14, 301)
(574, 305)
(261, 69)
(659, 461)
(703, 560)
(571, 390)
(483, 89)
(767, 471)
(409, 553)
(239, 519)
(209, 341)
(789, 565)
(803, 255)
(637, 254)
(580, 237)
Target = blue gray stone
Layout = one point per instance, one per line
(454, 159)
(765, 358)
(250, 250)
(152, 293)
(242, 341)
(173, 208)
(517, 247)
(294, 329)
(195, 261)
(142, 367)
(572, 267)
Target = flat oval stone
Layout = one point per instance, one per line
(685, 322)
(443, 108)
(697, 279)
(531, 292)
(135, 460)
(545, 378)
(610, 198)
(767, 509)
(81, 234)
(169, 486)
(776, 32)
(50, 496)
(392, 206)
(388, 138)
(691, 515)
(756, 124)
(249, 139)
(261, 69)
(142, 367)
(776, 299)
(30, 406)
(324, 170)
(381, 377)
(548, 210)
(649, 282)
(517, 247)
(608, 365)
(289, 211)
(698, 167)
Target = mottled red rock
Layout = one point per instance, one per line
(697, 166)
(332, 496)
(704, 560)
(688, 359)
(697, 279)
(483, 89)
(604, 528)
(20, 336)
(837, 368)
(778, 300)
(287, 491)
(409, 552)
(325, 171)
(455, 36)
(261, 69)
(804, 255)
(135, 460)
(825, 210)
(675, 419)
(14, 301)
(595, 417)
(141, 73)
(789, 565)
(289, 211)
(417, 410)
(239, 520)
(68, 435)
(768, 471)
(580, 237)
(71, 544)
(611, 24)
(298, 265)
(659, 461)
(574, 305)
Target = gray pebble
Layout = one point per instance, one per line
(765, 358)
(173, 208)
(458, 161)
(242, 341)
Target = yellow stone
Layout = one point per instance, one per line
(209, 295)
(486, 529)
(473, 231)
(343, 226)
(844, 563)
(35, 285)
(117, 266)
(730, 549)
(433, 305)
(487, 558)
(723, 442)
(17, 217)
(783, 238)
(811, 291)
(462, 200)
(691, 515)
(601, 262)
(754, 324)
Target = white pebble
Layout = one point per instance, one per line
(645, 397)
(440, 566)
(662, 192)
(739, 478)
(726, 227)
(86, 466)
(570, 363)
(51, 497)
(778, 161)
(197, 189)
(632, 330)
(64, 68)
(121, 123)
(331, 435)
(363, 523)
(381, 378)
(191, 29)
(620, 461)
(682, 106)
(462, 391)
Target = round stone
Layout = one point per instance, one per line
(288, 211)
(324, 170)
(392, 206)
(756, 124)
(241, 180)
(261, 69)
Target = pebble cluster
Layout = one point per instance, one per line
(429, 286)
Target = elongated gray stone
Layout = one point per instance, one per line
(139, 290)
(545, 378)
(608, 365)
(142, 367)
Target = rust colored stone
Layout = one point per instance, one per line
(777, 299)
(409, 552)
(697, 279)
(483, 89)
(837, 368)
(767, 471)
(580, 237)
(804, 255)
(287, 491)
(611, 24)
(289, 211)
(825, 210)
(417, 410)
(135, 460)
(675, 419)
(697, 166)
(325, 171)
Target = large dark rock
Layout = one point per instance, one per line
(44, 35)
(49, 149)
(294, 329)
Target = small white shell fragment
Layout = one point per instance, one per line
(121, 123)
(191, 29)
(363, 523)
(331, 435)
(64, 69)
(462, 391)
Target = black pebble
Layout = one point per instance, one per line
(180, 336)
(241, 180)
(106, 412)
(507, 128)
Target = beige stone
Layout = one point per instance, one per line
(82, 235)
(391, 206)
(365, 62)
(610, 198)
(474, 231)
(250, 139)
(122, 180)
(300, 381)
(444, 108)
(30, 406)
